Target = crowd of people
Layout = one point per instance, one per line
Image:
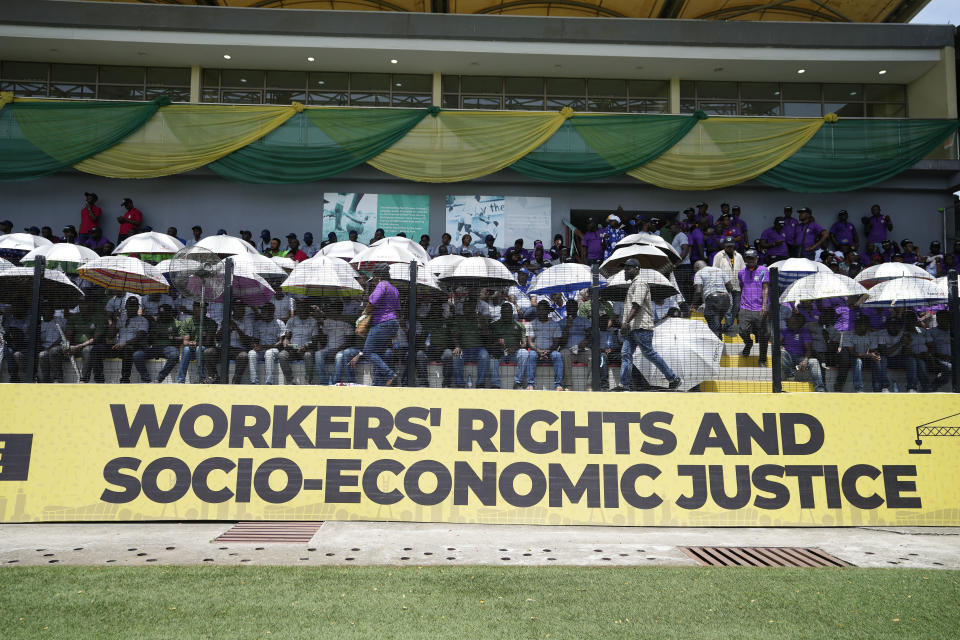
(721, 272)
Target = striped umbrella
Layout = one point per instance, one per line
(123, 273)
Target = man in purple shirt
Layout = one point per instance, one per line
(702, 214)
(382, 307)
(690, 222)
(96, 241)
(877, 225)
(754, 291)
(592, 242)
(790, 229)
(740, 225)
(843, 230)
(810, 236)
(909, 252)
(697, 244)
(796, 352)
(774, 241)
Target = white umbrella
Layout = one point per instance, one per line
(876, 274)
(942, 284)
(427, 283)
(345, 249)
(690, 349)
(408, 244)
(64, 256)
(4, 264)
(226, 245)
(148, 242)
(792, 269)
(822, 285)
(905, 292)
(285, 263)
(653, 240)
(443, 266)
(566, 278)
(343, 269)
(16, 284)
(164, 266)
(649, 258)
(322, 280)
(660, 286)
(481, 272)
(123, 273)
(22, 242)
(383, 254)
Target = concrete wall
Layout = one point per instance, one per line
(926, 97)
(203, 198)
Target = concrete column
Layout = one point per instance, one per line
(195, 83)
(437, 89)
(673, 106)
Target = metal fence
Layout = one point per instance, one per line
(465, 322)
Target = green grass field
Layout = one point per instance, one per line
(477, 602)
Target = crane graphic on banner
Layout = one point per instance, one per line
(931, 430)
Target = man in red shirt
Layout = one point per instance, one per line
(130, 221)
(89, 217)
(294, 252)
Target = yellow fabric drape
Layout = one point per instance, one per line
(181, 138)
(722, 152)
(456, 146)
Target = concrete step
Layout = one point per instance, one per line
(737, 360)
(735, 349)
(742, 386)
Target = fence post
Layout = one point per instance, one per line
(226, 321)
(33, 318)
(953, 298)
(412, 326)
(773, 313)
(595, 328)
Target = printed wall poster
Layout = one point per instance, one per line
(506, 218)
(367, 212)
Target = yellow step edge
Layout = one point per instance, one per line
(736, 386)
(739, 361)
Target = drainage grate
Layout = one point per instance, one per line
(270, 532)
(762, 557)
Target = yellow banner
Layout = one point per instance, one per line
(178, 452)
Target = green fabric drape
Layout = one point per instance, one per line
(852, 154)
(41, 138)
(590, 147)
(318, 143)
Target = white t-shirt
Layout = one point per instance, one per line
(302, 330)
(712, 280)
(859, 344)
(267, 333)
(49, 335)
(337, 332)
(678, 241)
(544, 333)
(128, 330)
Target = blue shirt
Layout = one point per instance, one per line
(578, 331)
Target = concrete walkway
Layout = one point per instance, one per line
(390, 543)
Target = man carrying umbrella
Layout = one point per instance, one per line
(636, 329)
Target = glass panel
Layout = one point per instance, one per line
(885, 92)
(241, 97)
(25, 71)
(450, 84)
(450, 101)
(524, 103)
(169, 76)
(369, 82)
(176, 94)
(329, 81)
(210, 78)
(602, 87)
(283, 96)
(760, 91)
(686, 106)
(329, 98)
(480, 84)
(413, 83)
(687, 89)
(802, 109)
(897, 110)
(717, 90)
(800, 91)
(411, 100)
(655, 105)
(566, 86)
(651, 88)
(523, 85)
(760, 108)
(364, 99)
(713, 108)
(209, 95)
(287, 79)
(844, 110)
(26, 89)
(73, 73)
(68, 90)
(556, 103)
(842, 92)
(241, 78)
(111, 92)
(122, 75)
(482, 102)
(607, 104)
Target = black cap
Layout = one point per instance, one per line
(788, 208)
(631, 262)
(265, 234)
(34, 230)
(735, 207)
(804, 210)
(126, 200)
(331, 235)
(221, 232)
(702, 204)
(842, 212)
(489, 237)
(779, 220)
(751, 253)
(196, 226)
(69, 227)
(292, 235)
(6, 223)
(689, 210)
(904, 242)
(90, 193)
(729, 240)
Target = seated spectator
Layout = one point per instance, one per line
(538, 261)
(293, 249)
(507, 342)
(95, 241)
(337, 334)
(50, 347)
(863, 350)
(15, 337)
(163, 341)
(331, 238)
(173, 233)
(189, 331)
(6, 226)
(543, 340)
(490, 251)
(773, 241)
(69, 234)
(556, 250)
(241, 341)
(197, 231)
(942, 348)
(576, 344)
(464, 248)
(438, 343)
(274, 250)
(308, 247)
(299, 342)
(796, 354)
(343, 370)
(378, 235)
(894, 349)
(445, 240)
(514, 257)
(150, 305)
(86, 332)
(266, 342)
(132, 330)
(469, 332)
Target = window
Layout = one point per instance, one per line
(86, 81)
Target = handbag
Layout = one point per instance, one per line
(363, 325)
